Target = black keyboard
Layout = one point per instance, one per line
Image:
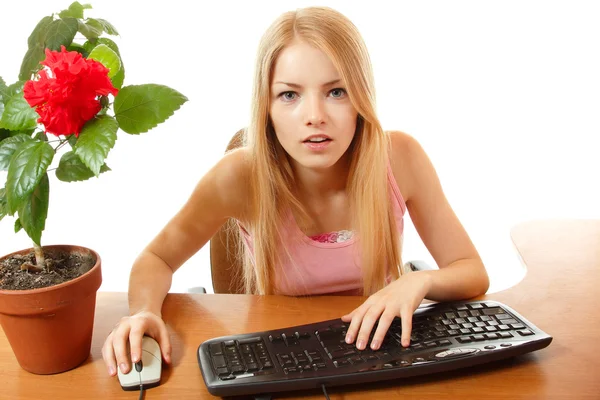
(445, 336)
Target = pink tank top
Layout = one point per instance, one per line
(324, 268)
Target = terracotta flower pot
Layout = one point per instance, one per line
(50, 329)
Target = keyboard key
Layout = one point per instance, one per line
(275, 339)
(493, 311)
(238, 369)
(318, 366)
(250, 340)
(219, 361)
(215, 349)
(525, 332)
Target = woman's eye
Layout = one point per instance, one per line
(338, 92)
(288, 96)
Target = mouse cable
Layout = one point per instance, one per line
(324, 391)
(141, 396)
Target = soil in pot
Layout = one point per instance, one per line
(18, 272)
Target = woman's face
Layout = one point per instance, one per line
(311, 113)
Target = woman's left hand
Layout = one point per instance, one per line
(398, 299)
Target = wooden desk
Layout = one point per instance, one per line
(559, 294)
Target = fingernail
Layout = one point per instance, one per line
(405, 343)
(348, 338)
(134, 358)
(375, 344)
(111, 370)
(123, 368)
(360, 345)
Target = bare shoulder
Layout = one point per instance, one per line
(406, 158)
(231, 177)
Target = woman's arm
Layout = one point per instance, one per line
(461, 272)
(221, 194)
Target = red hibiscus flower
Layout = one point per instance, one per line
(66, 95)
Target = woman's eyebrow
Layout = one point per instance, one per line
(295, 85)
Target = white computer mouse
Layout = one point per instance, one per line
(146, 372)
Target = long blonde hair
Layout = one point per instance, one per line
(272, 180)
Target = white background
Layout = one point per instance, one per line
(504, 97)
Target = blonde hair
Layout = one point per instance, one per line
(272, 176)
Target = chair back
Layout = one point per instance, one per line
(225, 266)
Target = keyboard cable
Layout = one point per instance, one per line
(324, 391)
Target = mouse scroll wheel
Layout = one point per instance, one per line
(138, 366)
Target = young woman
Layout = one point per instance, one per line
(319, 191)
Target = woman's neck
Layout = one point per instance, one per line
(321, 184)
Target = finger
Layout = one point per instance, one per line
(406, 316)
(135, 344)
(108, 355)
(357, 316)
(348, 317)
(368, 322)
(382, 327)
(165, 343)
(120, 345)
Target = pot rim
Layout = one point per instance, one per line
(17, 292)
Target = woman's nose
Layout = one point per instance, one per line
(315, 112)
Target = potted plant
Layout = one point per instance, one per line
(62, 116)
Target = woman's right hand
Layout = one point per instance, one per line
(130, 330)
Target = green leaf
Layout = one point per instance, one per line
(34, 210)
(96, 139)
(75, 10)
(60, 32)
(8, 148)
(18, 225)
(38, 35)
(3, 89)
(27, 166)
(78, 48)
(91, 29)
(107, 26)
(139, 108)
(119, 77)
(3, 210)
(15, 88)
(110, 43)
(72, 140)
(5, 133)
(107, 57)
(71, 168)
(31, 62)
(18, 114)
(41, 136)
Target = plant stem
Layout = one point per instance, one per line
(62, 143)
(40, 260)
